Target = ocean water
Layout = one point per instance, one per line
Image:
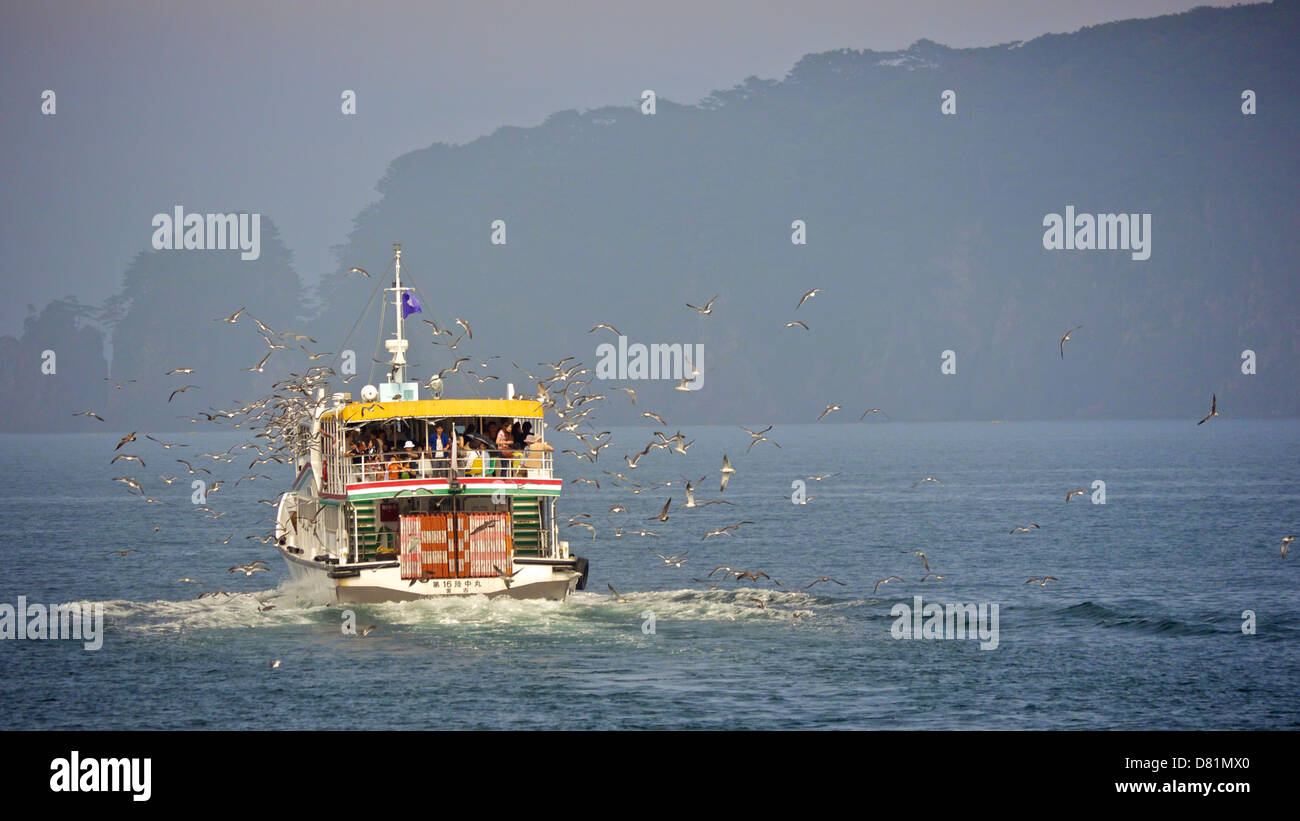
(1142, 630)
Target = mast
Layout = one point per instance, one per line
(398, 344)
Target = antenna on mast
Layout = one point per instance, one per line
(397, 345)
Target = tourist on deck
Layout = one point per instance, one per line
(410, 457)
(534, 463)
(440, 445)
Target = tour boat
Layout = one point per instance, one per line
(369, 519)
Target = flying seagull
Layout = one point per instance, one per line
(814, 292)
(663, 514)
(803, 325)
(230, 320)
(1074, 493)
(708, 306)
(1214, 409)
(824, 579)
(885, 581)
(1066, 338)
(727, 470)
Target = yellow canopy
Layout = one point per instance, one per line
(436, 408)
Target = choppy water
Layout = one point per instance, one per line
(1143, 629)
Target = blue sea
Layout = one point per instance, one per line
(1143, 628)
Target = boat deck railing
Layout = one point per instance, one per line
(395, 465)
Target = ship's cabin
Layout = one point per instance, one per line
(396, 468)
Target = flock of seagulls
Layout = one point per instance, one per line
(566, 391)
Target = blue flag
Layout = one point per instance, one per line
(410, 305)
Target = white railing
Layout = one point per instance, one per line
(383, 467)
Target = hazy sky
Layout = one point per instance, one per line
(234, 106)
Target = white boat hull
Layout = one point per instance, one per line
(371, 585)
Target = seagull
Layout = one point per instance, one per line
(606, 327)
(885, 581)
(129, 458)
(191, 469)
(365, 631)
(127, 480)
(923, 559)
(180, 390)
(356, 270)
(618, 597)
(757, 436)
(1028, 528)
(165, 445)
(928, 575)
(928, 479)
(629, 391)
(707, 309)
(663, 514)
(90, 413)
(1214, 409)
(230, 320)
(462, 323)
(174, 371)
(1074, 493)
(871, 410)
(727, 470)
(130, 437)
(1043, 581)
(1285, 542)
(821, 476)
(670, 561)
(258, 367)
(508, 578)
(654, 416)
(1066, 338)
(814, 292)
(275, 664)
(797, 322)
(829, 409)
(589, 527)
(490, 523)
(690, 496)
(825, 579)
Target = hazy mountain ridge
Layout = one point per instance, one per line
(924, 230)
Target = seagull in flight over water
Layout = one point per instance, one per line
(1214, 409)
